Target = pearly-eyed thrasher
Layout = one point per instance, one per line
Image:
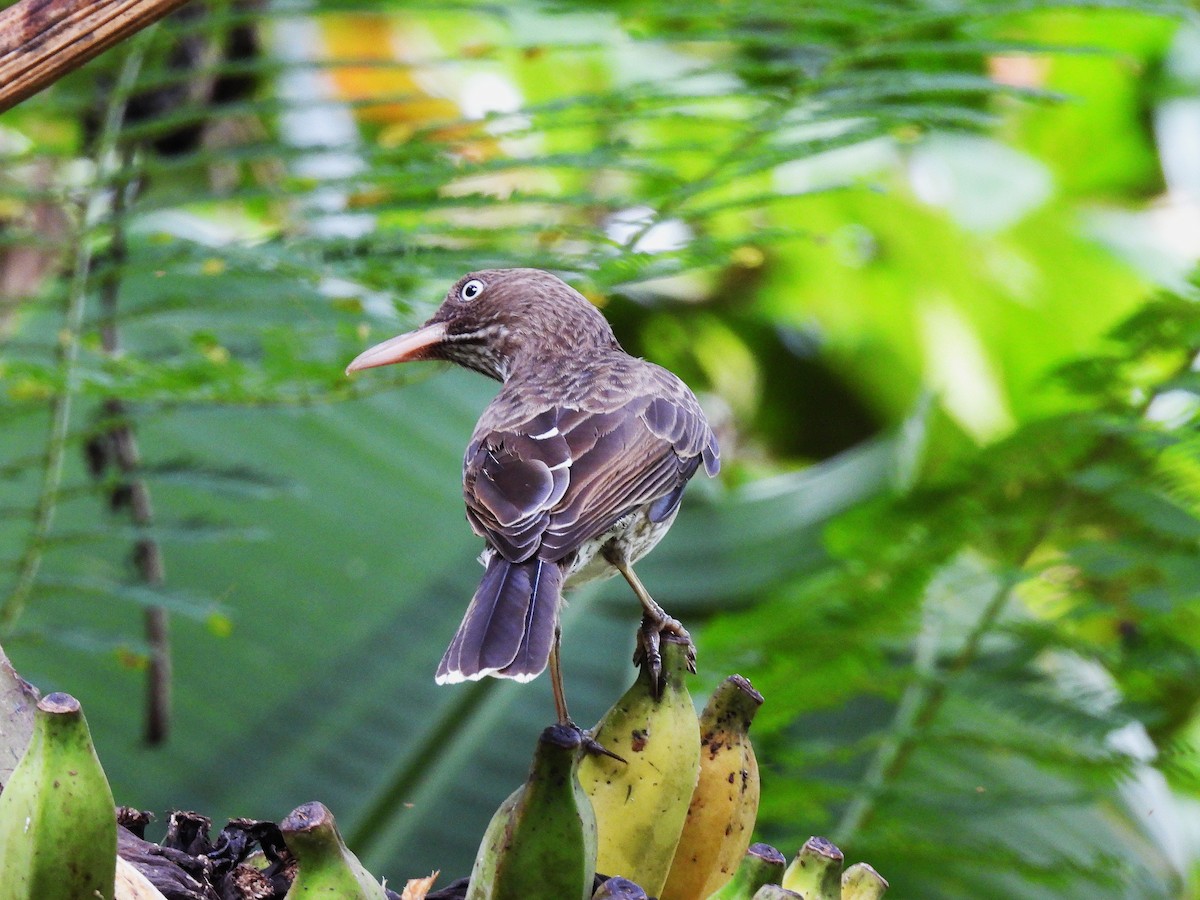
(574, 472)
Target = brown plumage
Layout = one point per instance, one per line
(574, 472)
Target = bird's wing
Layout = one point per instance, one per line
(567, 475)
(512, 478)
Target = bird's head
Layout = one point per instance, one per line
(496, 320)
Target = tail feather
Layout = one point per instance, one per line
(541, 620)
(508, 628)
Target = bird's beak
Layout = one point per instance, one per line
(403, 348)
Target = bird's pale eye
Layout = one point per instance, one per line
(471, 289)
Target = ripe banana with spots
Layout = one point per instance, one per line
(327, 868)
(762, 864)
(541, 842)
(816, 872)
(724, 805)
(58, 823)
(642, 802)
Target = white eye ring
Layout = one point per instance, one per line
(471, 289)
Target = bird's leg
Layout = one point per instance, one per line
(590, 744)
(655, 622)
(556, 681)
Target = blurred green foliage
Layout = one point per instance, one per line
(927, 263)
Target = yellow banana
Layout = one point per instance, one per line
(861, 882)
(816, 872)
(326, 867)
(724, 805)
(641, 803)
(58, 824)
(762, 864)
(541, 842)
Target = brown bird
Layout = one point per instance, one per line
(574, 472)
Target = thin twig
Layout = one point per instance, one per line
(148, 555)
(68, 347)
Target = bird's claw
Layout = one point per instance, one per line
(648, 652)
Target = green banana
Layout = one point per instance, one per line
(861, 882)
(326, 867)
(762, 864)
(618, 888)
(58, 823)
(724, 805)
(641, 799)
(541, 842)
(816, 872)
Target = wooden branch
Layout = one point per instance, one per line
(43, 40)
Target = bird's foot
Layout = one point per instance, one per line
(648, 652)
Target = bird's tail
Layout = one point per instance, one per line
(508, 628)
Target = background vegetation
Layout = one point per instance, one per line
(929, 264)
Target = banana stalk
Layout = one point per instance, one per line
(541, 842)
(816, 872)
(861, 882)
(58, 823)
(724, 805)
(327, 868)
(762, 864)
(641, 800)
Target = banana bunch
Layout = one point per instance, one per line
(660, 800)
(327, 868)
(541, 842)
(641, 793)
(724, 805)
(58, 824)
